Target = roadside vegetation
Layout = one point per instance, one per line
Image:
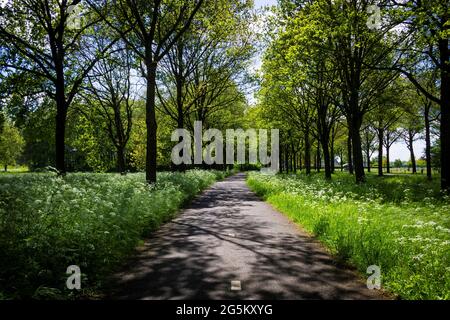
(400, 223)
(48, 223)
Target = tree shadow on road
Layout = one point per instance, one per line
(229, 234)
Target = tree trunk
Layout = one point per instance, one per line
(319, 160)
(121, 159)
(445, 111)
(300, 164)
(367, 151)
(179, 97)
(316, 166)
(358, 163)
(292, 163)
(6, 168)
(61, 104)
(286, 159)
(411, 150)
(332, 157)
(388, 158)
(307, 153)
(295, 162)
(224, 165)
(281, 160)
(151, 156)
(181, 167)
(428, 140)
(326, 157)
(60, 133)
(380, 151)
(349, 153)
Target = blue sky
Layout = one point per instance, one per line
(262, 3)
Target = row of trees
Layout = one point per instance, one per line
(336, 79)
(85, 63)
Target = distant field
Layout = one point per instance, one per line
(400, 223)
(13, 169)
(420, 171)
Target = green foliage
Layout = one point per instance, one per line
(398, 163)
(11, 144)
(94, 221)
(398, 223)
(436, 155)
(89, 144)
(38, 132)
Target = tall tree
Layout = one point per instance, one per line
(430, 115)
(386, 113)
(155, 27)
(426, 47)
(412, 127)
(110, 94)
(358, 51)
(213, 52)
(391, 136)
(46, 39)
(369, 144)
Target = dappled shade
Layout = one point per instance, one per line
(229, 234)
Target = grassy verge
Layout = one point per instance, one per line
(400, 223)
(94, 221)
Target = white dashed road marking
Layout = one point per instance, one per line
(236, 286)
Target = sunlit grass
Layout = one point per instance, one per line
(400, 223)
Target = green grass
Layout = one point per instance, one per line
(400, 223)
(91, 220)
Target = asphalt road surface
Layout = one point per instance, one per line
(229, 244)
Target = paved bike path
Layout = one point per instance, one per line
(229, 234)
